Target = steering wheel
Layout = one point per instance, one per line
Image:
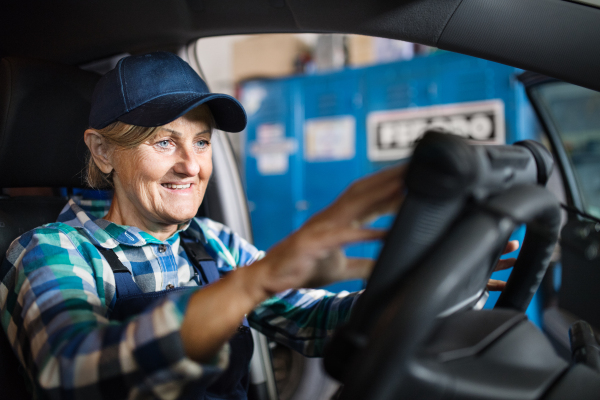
(463, 203)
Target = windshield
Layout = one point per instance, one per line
(574, 113)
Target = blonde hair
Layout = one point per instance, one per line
(126, 136)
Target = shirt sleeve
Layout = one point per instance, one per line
(303, 319)
(228, 248)
(53, 310)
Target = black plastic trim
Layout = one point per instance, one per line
(530, 78)
(553, 37)
(93, 30)
(572, 193)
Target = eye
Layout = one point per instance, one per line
(164, 145)
(202, 144)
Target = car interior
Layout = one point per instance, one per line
(408, 338)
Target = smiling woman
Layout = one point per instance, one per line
(159, 175)
(149, 301)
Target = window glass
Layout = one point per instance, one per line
(575, 113)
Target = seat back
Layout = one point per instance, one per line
(21, 214)
(17, 216)
(44, 109)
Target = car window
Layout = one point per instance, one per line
(324, 110)
(574, 113)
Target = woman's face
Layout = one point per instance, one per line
(162, 182)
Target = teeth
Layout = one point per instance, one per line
(171, 186)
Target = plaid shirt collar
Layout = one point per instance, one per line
(87, 215)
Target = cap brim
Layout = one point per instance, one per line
(228, 113)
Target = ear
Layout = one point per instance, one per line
(99, 149)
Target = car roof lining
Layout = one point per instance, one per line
(559, 38)
(71, 36)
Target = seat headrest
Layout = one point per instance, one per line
(44, 110)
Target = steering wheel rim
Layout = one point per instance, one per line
(412, 314)
(427, 296)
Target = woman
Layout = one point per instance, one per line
(101, 307)
(107, 305)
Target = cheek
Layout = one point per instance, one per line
(138, 168)
(206, 168)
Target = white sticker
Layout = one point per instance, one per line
(272, 164)
(330, 139)
(391, 135)
(272, 149)
(270, 133)
(252, 98)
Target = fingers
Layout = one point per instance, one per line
(367, 199)
(388, 179)
(339, 238)
(505, 264)
(509, 262)
(387, 205)
(376, 180)
(335, 267)
(495, 285)
(511, 246)
(377, 184)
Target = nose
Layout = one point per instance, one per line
(187, 164)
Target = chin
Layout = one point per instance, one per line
(180, 217)
(176, 213)
(179, 211)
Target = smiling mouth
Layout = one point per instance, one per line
(176, 187)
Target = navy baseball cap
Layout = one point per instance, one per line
(155, 89)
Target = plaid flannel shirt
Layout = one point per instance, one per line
(56, 291)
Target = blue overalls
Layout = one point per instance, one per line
(232, 384)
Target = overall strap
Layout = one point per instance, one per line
(203, 262)
(124, 283)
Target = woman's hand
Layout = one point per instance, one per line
(494, 284)
(313, 256)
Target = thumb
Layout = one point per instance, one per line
(359, 268)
